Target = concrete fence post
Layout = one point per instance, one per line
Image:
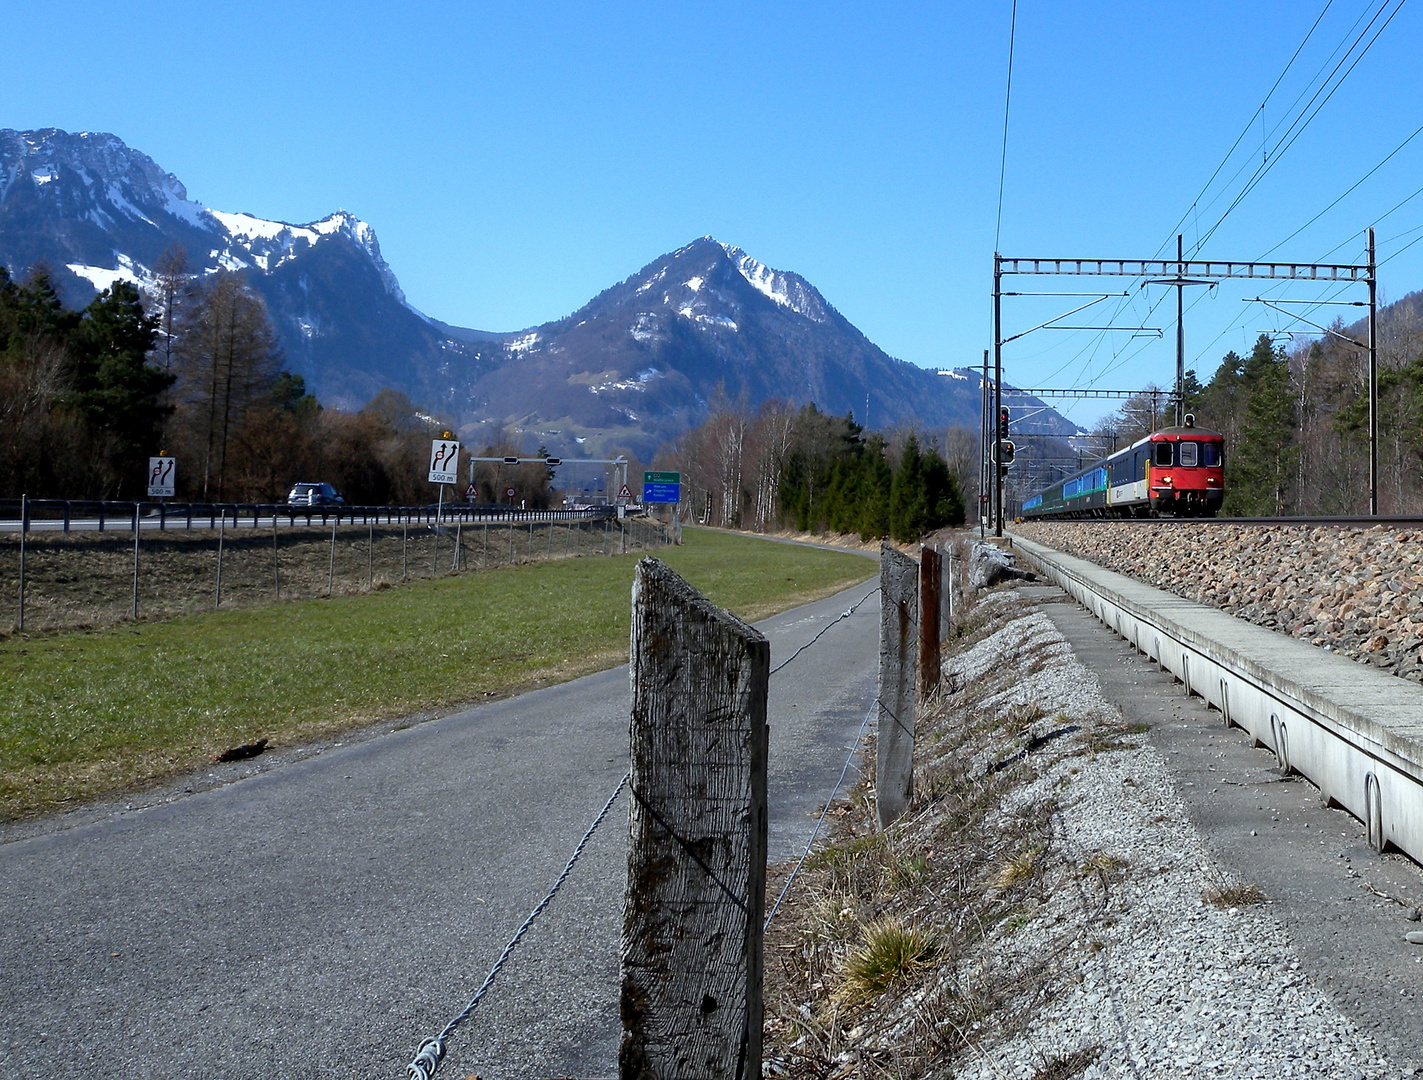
(930, 580)
(948, 564)
(691, 946)
(899, 644)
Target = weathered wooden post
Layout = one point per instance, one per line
(695, 903)
(898, 646)
(930, 580)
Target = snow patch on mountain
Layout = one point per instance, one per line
(788, 290)
(102, 278)
(98, 277)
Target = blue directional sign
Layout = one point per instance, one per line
(661, 487)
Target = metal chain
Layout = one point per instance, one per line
(432, 1050)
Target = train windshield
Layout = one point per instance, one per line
(1188, 453)
(1210, 455)
(1161, 454)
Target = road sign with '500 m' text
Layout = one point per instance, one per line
(161, 481)
(444, 461)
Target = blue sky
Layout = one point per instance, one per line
(515, 159)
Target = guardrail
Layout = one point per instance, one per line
(27, 515)
(1356, 733)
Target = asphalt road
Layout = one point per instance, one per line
(322, 915)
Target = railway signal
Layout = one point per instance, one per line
(1003, 422)
(1003, 452)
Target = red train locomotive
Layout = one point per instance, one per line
(1175, 472)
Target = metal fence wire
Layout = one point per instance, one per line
(432, 1050)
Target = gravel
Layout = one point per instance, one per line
(1354, 591)
(1123, 954)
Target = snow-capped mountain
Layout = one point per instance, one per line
(645, 359)
(94, 210)
(640, 363)
(122, 212)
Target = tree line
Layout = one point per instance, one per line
(193, 368)
(802, 469)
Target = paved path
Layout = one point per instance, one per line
(320, 918)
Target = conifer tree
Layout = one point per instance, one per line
(1259, 471)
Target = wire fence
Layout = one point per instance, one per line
(57, 580)
(432, 1051)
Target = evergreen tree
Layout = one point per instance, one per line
(115, 389)
(908, 513)
(879, 480)
(1259, 471)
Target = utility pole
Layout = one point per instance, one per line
(1373, 380)
(1180, 334)
(997, 391)
(983, 474)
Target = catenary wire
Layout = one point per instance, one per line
(1293, 133)
(1007, 102)
(1416, 132)
(1126, 355)
(1248, 125)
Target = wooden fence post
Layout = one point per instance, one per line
(930, 579)
(898, 646)
(695, 903)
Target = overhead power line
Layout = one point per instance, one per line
(1007, 103)
(1302, 121)
(1248, 125)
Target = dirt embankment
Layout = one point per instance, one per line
(1044, 909)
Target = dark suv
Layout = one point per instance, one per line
(314, 495)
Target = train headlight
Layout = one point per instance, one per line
(1166, 479)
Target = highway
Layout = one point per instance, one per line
(323, 915)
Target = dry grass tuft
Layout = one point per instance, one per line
(1017, 868)
(1238, 895)
(893, 953)
(1065, 1066)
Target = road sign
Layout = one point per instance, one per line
(471, 492)
(509, 492)
(444, 461)
(624, 494)
(661, 487)
(161, 482)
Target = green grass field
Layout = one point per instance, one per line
(88, 714)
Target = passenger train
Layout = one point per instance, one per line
(1175, 472)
